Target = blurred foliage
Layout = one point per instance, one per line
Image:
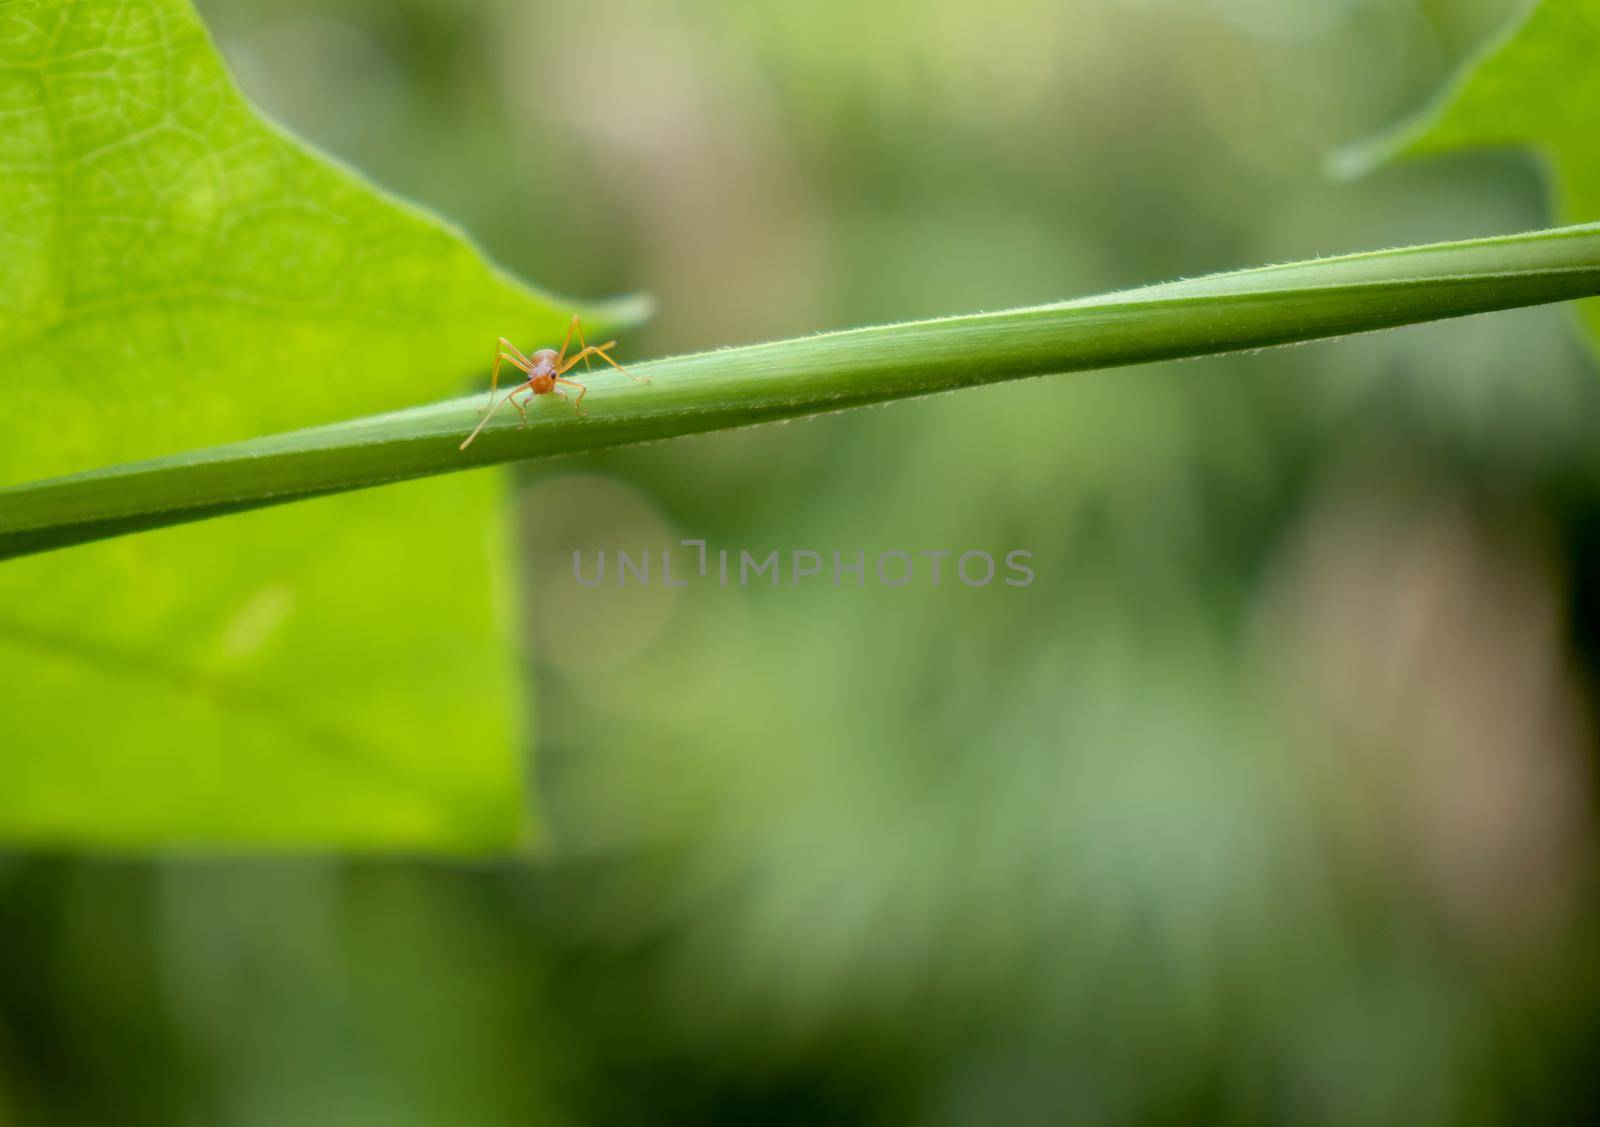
(174, 272)
(1271, 801)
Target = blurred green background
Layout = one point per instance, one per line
(1271, 800)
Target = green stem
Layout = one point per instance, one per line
(742, 386)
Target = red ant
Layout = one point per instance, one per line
(546, 369)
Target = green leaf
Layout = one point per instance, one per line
(177, 272)
(740, 386)
(1538, 87)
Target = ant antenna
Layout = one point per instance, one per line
(485, 420)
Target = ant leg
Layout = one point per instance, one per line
(583, 390)
(588, 351)
(600, 351)
(517, 361)
(572, 327)
(521, 405)
(507, 346)
(492, 410)
(583, 346)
